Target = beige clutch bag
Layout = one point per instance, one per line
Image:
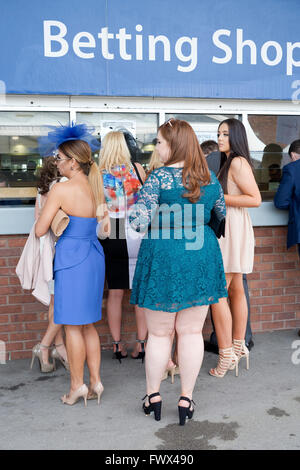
(59, 223)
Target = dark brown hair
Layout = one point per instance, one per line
(185, 147)
(209, 146)
(238, 148)
(295, 147)
(48, 173)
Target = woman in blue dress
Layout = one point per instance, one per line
(179, 271)
(79, 266)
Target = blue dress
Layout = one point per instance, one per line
(179, 263)
(79, 271)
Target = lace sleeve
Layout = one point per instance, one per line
(142, 213)
(220, 202)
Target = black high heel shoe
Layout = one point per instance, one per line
(141, 354)
(185, 411)
(117, 353)
(156, 407)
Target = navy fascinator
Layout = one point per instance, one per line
(49, 144)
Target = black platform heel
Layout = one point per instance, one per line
(117, 353)
(185, 411)
(141, 354)
(156, 407)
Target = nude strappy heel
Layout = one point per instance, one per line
(227, 361)
(37, 352)
(57, 356)
(241, 350)
(171, 371)
(96, 392)
(73, 398)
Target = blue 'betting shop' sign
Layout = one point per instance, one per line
(170, 48)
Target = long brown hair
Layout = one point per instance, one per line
(47, 174)
(238, 148)
(81, 152)
(184, 146)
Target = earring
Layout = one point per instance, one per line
(72, 168)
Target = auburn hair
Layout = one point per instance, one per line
(184, 146)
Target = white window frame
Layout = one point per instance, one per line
(21, 219)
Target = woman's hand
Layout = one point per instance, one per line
(104, 227)
(242, 174)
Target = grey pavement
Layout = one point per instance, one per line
(260, 409)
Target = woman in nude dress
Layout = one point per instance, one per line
(240, 191)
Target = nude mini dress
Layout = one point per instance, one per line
(237, 246)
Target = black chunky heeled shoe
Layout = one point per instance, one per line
(141, 354)
(118, 354)
(156, 407)
(185, 411)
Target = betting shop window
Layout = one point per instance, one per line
(19, 158)
(143, 127)
(204, 125)
(269, 140)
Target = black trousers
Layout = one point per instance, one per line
(248, 335)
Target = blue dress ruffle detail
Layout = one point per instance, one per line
(79, 271)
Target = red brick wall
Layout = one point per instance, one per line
(274, 294)
(275, 283)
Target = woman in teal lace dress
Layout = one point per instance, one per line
(179, 271)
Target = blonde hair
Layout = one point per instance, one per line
(114, 152)
(155, 161)
(81, 152)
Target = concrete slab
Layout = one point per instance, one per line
(260, 409)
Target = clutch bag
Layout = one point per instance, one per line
(217, 222)
(59, 223)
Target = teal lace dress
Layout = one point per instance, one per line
(179, 263)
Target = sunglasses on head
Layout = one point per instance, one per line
(58, 158)
(169, 121)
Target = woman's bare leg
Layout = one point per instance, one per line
(238, 306)
(114, 315)
(76, 350)
(189, 324)
(52, 331)
(223, 323)
(60, 345)
(93, 352)
(141, 327)
(160, 329)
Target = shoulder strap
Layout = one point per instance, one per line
(137, 172)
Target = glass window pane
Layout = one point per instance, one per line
(269, 140)
(204, 125)
(143, 126)
(19, 157)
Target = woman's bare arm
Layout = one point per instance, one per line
(242, 175)
(141, 171)
(52, 205)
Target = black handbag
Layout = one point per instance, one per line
(217, 222)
